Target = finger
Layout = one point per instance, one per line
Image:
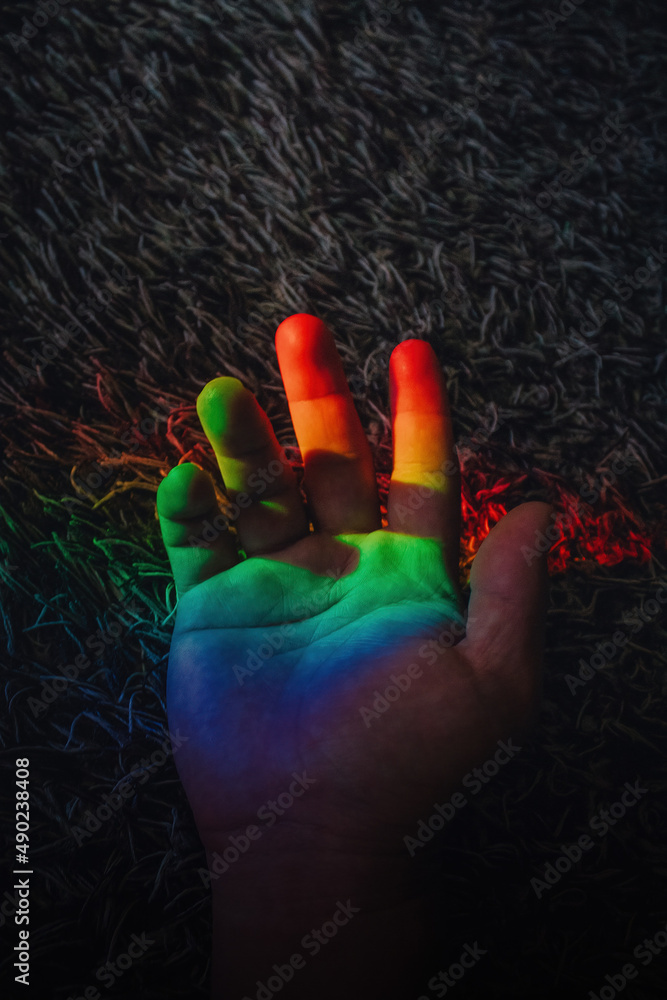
(259, 480)
(339, 477)
(425, 488)
(504, 639)
(193, 527)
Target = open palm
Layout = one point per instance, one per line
(340, 654)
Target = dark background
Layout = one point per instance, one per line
(377, 166)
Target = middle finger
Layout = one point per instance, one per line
(339, 476)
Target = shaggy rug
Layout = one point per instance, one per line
(177, 178)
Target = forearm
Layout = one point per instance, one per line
(319, 925)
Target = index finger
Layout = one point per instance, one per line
(425, 489)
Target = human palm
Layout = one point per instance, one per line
(282, 656)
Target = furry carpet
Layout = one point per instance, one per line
(178, 177)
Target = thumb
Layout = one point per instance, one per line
(509, 584)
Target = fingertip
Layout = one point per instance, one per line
(187, 491)
(513, 546)
(410, 350)
(220, 388)
(416, 381)
(296, 329)
(309, 361)
(218, 403)
(528, 522)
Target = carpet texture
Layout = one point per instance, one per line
(177, 178)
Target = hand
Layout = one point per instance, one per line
(277, 657)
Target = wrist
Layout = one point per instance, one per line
(337, 920)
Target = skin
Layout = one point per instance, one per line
(348, 603)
